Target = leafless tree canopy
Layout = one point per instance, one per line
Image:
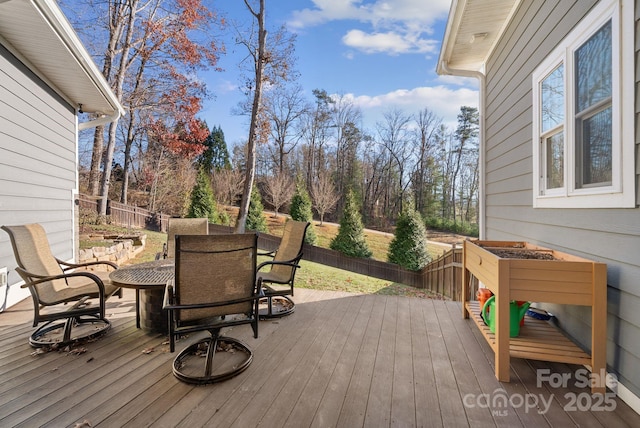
(227, 184)
(324, 195)
(278, 190)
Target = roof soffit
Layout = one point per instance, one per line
(54, 52)
(473, 29)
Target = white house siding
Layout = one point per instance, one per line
(37, 162)
(611, 236)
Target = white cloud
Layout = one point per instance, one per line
(457, 80)
(226, 86)
(324, 11)
(445, 102)
(386, 26)
(374, 12)
(390, 42)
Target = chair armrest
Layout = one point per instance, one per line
(212, 304)
(169, 297)
(292, 263)
(268, 254)
(259, 290)
(79, 265)
(44, 278)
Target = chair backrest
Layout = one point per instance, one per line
(184, 226)
(290, 247)
(215, 269)
(33, 254)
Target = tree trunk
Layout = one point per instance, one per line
(117, 89)
(253, 127)
(106, 176)
(96, 160)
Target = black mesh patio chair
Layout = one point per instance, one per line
(278, 274)
(214, 287)
(63, 293)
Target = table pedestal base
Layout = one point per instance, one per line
(152, 316)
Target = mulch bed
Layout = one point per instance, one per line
(522, 254)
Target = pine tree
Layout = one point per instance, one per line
(300, 210)
(216, 156)
(202, 203)
(350, 238)
(255, 217)
(408, 248)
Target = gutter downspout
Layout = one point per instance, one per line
(444, 66)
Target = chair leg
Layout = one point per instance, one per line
(211, 351)
(86, 327)
(66, 337)
(187, 365)
(287, 307)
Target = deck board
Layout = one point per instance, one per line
(379, 404)
(340, 360)
(354, 406)
(452, 411)
(328, 411)
(403, 402)
(426, 400)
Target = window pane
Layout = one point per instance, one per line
(593, 69)
(593, 110)
(596, 148)
(552, 90)
(555, 161)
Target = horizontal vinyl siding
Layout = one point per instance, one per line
(37, 161)
(611, 236)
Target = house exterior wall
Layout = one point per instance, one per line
(38, 158)
(611, 236)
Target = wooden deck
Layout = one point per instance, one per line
(340, 360)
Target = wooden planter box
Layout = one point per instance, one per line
(522, 271)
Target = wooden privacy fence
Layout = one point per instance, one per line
(126, 215)
(442, 276)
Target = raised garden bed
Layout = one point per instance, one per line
(523, 271)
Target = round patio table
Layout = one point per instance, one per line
(149, 280)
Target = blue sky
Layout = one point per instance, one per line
(380, 53)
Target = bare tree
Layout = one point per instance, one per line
(284, 107)
(269, 65)
(227, 184)
(345, 117)
(315, 134)
(278, 189)
(427, 125)
(466, 134)
(374, 161)
(394, 136)
(324, 195)
(170, 179)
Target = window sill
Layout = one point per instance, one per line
(583, 201)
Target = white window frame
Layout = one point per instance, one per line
(621, 192)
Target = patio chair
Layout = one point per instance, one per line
(183, 226)
(214, 287)
(279, 273)
(54, 284)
